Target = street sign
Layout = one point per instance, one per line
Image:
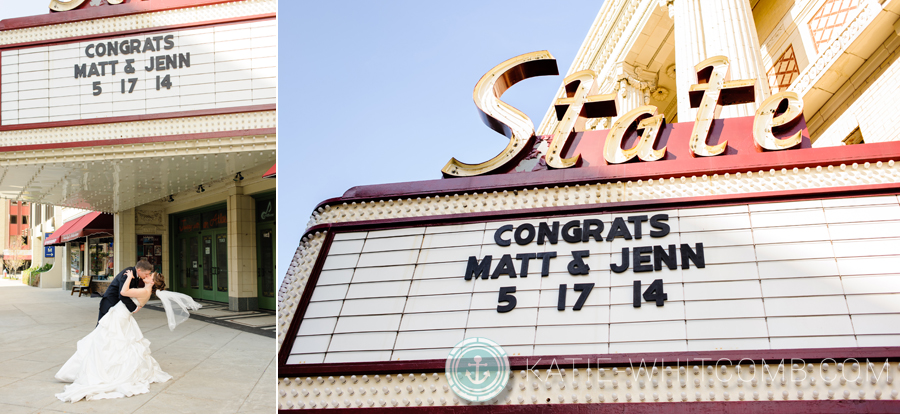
(49, 251)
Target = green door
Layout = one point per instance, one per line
(265, 237)
(187, 266)
(214, 266)
(200, 254)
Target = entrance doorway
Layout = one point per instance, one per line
(201, 256)
(266, 257)
(265, 250)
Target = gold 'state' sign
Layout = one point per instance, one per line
(66, 5)
(713, 90)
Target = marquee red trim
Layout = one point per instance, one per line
(291, 333)
(90, 13)
(632, 206)
(695, 407)
(148, 117)
(605, 360)
(140, 140)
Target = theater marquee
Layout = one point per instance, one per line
(723, 240)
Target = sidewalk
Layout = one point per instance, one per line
(214, 368)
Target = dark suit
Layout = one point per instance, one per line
(112, 296)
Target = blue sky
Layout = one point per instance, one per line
(24, 8)
(377, 92)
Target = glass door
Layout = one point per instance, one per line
(221, 269)
(187, 266)
(265, 241)
(214, 265)
(207, 267)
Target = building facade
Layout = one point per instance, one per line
(152, 114)
(706, 219)
(16, 243)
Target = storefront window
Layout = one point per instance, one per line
(149, 247)
(101, 256)
(76, 254)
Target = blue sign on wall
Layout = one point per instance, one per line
(49, 251)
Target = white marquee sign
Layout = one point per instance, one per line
(214, 67)
(809, 274)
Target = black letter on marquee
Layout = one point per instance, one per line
(505, 266)
(689, 255)
(473, 268)
(81, 71)
(624, 266)
(575, 235)
(640, 259)
(545, 232)
(171, 62)
(636, 300)
(663, 227)
(561, 302)
(505, 296)
(587, 233)
(499, 240)
(184, 60)
(585, 289)
(660, 256)
(521, 241)
(525, 257)
(169, 42)
(617, 229)
(655, 293)
(93, 70)
(545, 262)
(577, 266)
(636, 220)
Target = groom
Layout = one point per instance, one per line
(112, 296)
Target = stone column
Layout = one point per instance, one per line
(124, 240)
(706, 28)
(242, 289)
(633, 87)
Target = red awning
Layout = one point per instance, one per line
(270, 173)
(89, 224)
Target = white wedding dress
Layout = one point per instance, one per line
(113, 361)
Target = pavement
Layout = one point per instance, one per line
(215, 368)
(260, 322)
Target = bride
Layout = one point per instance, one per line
(113, 361)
